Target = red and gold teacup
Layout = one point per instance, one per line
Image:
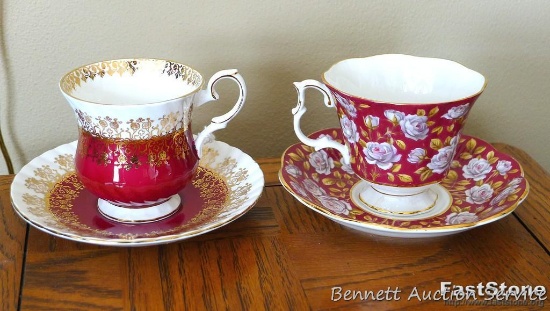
(136, 150)
(401, 117)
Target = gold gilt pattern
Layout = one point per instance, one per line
(44, 180)
(81, 75)
(131, 154)
(180, 71)
(90, 72)
(140, 128)
(57, 188)
(60, 199)
(231, 174)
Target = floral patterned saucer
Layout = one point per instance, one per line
(48, 195)
(485, 185)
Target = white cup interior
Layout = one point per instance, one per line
(403, 79)
(151, 82)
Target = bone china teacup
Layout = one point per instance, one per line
(401, 117)
(135, 148)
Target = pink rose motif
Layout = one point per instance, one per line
(414, 126)
(335, 205)
(479, 194)
(313, 188)
(503, 167)
(381, 154)
(456, 112)
(461, 218)
(477, 169)
(298, 189)
(394, 116)
(321, 162)
(347, 105)
(293, 170)
(442, 160)
(372, 121)
(349, 130)
(417, 155)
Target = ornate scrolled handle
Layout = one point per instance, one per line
(210, 94)
(300, 109)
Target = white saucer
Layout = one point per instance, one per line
(48, 195)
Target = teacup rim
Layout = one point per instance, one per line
(466, 98)
(153, 103)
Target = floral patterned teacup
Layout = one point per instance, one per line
(136, 150)
(401, 117)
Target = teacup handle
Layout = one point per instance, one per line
(210, 94)
(300, 109)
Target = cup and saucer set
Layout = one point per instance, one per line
(397, 166)
(137, 175)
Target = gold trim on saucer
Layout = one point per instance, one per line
(227, 188)
(441, 229)
(385, 211)
(360, 219)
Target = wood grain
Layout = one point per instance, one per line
(503, 252)
(498, 252)
(279, 256)
(12, 244)
(246, 273)
(270, 167)
(295, 218)
(73, 280)
(534, 212)
(242, 265)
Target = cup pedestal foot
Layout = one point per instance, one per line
(139, 214)
(401, 203)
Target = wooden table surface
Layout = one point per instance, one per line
(279, 256)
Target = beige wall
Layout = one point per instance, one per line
(274, 43)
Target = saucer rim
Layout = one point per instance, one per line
(393, 229)
(254, 196)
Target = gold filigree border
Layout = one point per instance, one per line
(46, 179)
(110, 128)
(81, 75)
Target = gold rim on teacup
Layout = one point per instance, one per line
(64, 82)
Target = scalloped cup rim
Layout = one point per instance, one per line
(332, 82)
